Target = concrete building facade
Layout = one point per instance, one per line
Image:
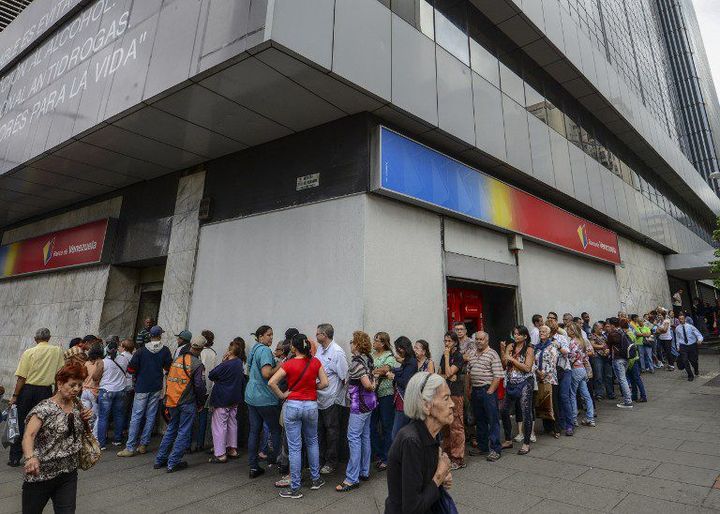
(380, 165)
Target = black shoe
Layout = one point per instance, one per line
(254, 473)
(364, 478)
(158, 465)
(178, 467)
(14, 463)
(690, 379)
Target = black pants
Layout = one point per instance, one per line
(329, 434)
(553, 425)
(62, 490)
(30, 396)
(525, 400)
(689, 356)
(667, 352)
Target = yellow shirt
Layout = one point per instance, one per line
(39, 364)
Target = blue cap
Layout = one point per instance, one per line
(156, 331)
(185, 335)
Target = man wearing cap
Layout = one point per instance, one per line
(148, 365)
(184, 396)
(183, 343)
(35, 378)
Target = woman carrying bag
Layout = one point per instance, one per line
(547, 399)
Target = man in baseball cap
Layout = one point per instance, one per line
(183, 340)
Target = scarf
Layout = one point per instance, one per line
(540, 349)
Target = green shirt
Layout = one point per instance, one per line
(385, 385)
(257, 391)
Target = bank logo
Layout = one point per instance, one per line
(48, 251)
(582, 234)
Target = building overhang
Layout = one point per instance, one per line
(690, 266)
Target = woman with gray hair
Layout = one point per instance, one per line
(417, 468)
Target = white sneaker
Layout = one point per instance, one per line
(519, 438)
(533, 439)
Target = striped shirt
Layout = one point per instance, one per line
(484, 367)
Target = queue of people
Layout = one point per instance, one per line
(405, 412)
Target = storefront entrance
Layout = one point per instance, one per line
(482, 306)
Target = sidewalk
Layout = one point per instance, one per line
(663, 456)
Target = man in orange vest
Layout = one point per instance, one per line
(184, 395)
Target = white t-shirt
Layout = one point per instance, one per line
(534, 335)
(114, 374)
(208, 357)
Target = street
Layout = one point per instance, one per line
(663, 456)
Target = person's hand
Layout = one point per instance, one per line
(443, 468)
(447, 484)
(86, 414)
(390, 375)
(285, 395)
(32, 466)
(13, 400)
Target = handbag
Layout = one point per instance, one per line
(445, 504)
(514, 389)
(282, 409)
(90, 452)
(544, 402)
(11, 429)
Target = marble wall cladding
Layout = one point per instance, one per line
(642, 279)
(182, 252)
(67, 302)
(105, 209)
(122, 297)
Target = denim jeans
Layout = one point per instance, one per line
(399, 421)
(110, 402)
(566, 409)
(269, 414)
(145, 405)
(602, 376)
(381, 425)
(301, 423)
(487, 421)
(202, 428)
(358, 435)
(646, 361)
(636, 383)
(620, 368)
(177, 435)
(579, 385)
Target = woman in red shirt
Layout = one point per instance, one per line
(304, 375)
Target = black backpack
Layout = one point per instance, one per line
(629, 349)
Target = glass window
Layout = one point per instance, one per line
(572, 131)
(418, 13)
(484, 63)
(535, 103)
(625, 172)
(635, 179)
(451, 28)
(512, 85)
(589, 144)
(556, 118)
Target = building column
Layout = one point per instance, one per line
(182, 250)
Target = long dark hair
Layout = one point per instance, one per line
(455, 339)
(239, 343)
(426, 346)
(261, 331)
(301, 344)
(404, 345)
(523, 331)
(112, 348)
(384, 338)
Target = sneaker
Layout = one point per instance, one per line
(671, 368)
(317, 484)
(569, 432)
(533, 439)
(117, 444)
(690, 379)
(477, 452)
(642, 400)
(519, 438)
(142, 449)
(291, 493)
(126, 453)
(493, 456)
(159, 465)
(178, 467)
(624, 405)
(254, 473)
(103, 448)
(588, 422)
(327, 470)
(659, 365)
(576, 423)
(283, 482)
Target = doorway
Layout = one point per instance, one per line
(482, 306)
(151, 284)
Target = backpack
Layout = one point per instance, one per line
(629, 349)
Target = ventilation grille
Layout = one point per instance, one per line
(9, 9)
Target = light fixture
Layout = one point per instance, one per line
(715, 175)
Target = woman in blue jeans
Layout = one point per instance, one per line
(578, 357)
(362, 401)
(304, 375)
(383, 417)
(405, 355)
(263, 406)
(111, 395)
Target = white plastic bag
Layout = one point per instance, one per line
(11, 428)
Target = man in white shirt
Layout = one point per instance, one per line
(664, 335)
(330, 400)
(537, 322)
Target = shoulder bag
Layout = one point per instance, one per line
(90, 452)
(282, 409)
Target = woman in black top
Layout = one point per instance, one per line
(405, 355)
(450, 368)
(416, 465)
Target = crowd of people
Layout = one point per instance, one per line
(402, 409)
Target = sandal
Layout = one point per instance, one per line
(345, 487)
(381, 466)
(233, 456)
(217, 460)
(522, 451)
(556, 435)
(507, 446)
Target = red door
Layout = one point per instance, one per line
(465, 305)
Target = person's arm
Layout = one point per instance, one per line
(32, 463)
(168, 360)
(431, 367)
(199, 383)
(493, 386)
(19, 384)
(527, 365)
(367, 383)
(416, 496)
(98, 371)
(341, 366)
(323, 379)
(134, 363)
(698, 335)
(273, 384)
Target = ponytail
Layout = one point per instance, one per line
(301, 344)
(261, 331)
